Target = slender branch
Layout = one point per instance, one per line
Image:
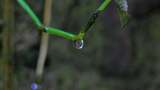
(59, 32)
(30, 12)
(36, 20)
(44, 40)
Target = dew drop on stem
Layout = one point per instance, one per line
(79, 44)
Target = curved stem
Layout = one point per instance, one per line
(59, 32)
(42, 56)
(39, 24)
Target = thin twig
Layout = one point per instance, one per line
(44, 40)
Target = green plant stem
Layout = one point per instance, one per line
(31, 13)
(36, 20)
(104, 5)
(93, 18)
(62, 33)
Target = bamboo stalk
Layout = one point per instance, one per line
(44, 40)
(7, 48)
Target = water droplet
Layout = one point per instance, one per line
(79, 44)
(34, 86)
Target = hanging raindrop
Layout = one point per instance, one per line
(34, 86)
(79, 44)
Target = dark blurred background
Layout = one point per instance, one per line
(112, 59)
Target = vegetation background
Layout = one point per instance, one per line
(112, 59)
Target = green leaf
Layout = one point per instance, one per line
(122, 8)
